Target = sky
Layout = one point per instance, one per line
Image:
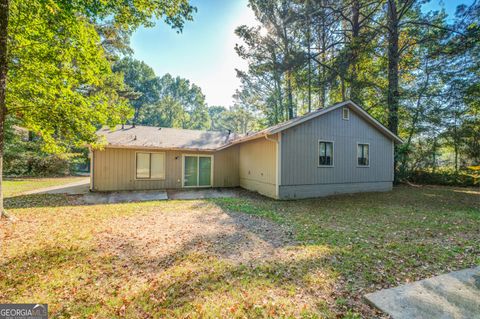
(204, 52)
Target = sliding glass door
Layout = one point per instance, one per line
(197, 171)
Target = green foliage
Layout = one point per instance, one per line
(178, 103)
(60, 85)
(237, 119)
(60, 82)
(142, 85)
(24, 155)
(310, 54)
(444, 176)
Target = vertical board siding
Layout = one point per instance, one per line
(258, 166)
(299, 152)
(114, 169)
(225, 170)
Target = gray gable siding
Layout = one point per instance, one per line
(299, 155)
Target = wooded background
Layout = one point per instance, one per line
(415, 70)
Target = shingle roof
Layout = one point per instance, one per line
(167, 138)
(172, 138)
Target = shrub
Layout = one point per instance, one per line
(465, 177)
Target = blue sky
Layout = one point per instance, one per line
(204, 53)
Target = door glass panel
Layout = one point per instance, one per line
(191, 173)
(205, 173)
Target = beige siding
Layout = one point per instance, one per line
(114, 169)
(258, 166)
(225, 171)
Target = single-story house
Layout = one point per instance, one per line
(339, 149)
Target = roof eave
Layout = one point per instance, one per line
(189, 149)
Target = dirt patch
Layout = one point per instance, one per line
(157, 236)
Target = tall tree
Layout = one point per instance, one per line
(60, 83)
(4, 10)
(141, 81)
(179, 103)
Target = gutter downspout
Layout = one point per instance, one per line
(269, 139)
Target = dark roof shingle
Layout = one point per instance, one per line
(166, 138)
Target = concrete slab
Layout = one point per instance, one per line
(454, 295)
(202, 193)
(122, 197)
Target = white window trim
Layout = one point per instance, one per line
(152, 179)
(343, 114)
(318, 152)
(356, 155)
(198, 163)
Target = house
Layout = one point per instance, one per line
(339, 149)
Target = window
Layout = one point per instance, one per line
(325, 153)
(150, 166)
(346, 113)
(363, 155)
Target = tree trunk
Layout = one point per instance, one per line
(4, 10)
(321, 67)
(309, 76)
(309, 40)
(354, 89)
(456, 141)
(278, 88)
(290, 95)
(393, 60)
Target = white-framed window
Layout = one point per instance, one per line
(149, 165)
(325, 153)
(363, 154)
(346, 113)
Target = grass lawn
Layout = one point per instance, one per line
(235, 257)
(17, 186)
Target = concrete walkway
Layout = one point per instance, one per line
(202, 193)
(454, 295)
(123, 197)
(82, 188)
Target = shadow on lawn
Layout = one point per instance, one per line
(402, 196)
(30, 271)
(199, 278)
(345, 246)
(41, 200)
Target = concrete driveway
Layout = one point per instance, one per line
(80, 187)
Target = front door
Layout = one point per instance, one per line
(197, 171)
